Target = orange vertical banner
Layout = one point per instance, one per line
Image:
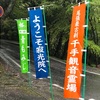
(72, 83)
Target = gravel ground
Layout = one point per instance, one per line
(13, 87)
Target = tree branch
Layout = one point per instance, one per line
(9, 8)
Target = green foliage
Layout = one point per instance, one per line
(58, 18)
(93, 48)
(9, 28)
(58, 22)
(94, 33)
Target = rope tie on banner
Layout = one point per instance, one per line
(50, 76)
(84, 50)
(79, 4)
(85, 53)
(41, 7)
(44, 26)
(28, 60)
(22, 19)
(82, 75)
(28, 46)
(85, 26)
(46, 44)
(34, 8)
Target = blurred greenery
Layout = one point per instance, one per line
(58, 20)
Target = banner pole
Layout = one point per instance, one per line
(51, 87)
(29, 73)
(85, 54)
